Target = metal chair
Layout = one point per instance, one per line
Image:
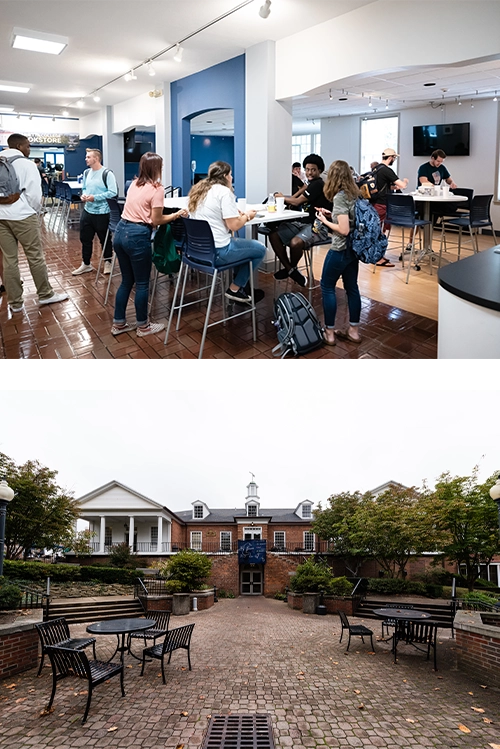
(67, 662)
(176, 639)
(478, 218)
(115, 214)
(416, 633)
(358, 630)
(401, 212)
(199, 254)
(160, 629)
(392, 622)
(56, 632)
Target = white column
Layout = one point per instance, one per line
(131, 532)
(112, 148)
(160, 532)
(102, 534)
(163, 131)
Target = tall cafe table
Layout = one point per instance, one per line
(427, 200)
(120, 627)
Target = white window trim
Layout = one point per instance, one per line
(192, 544)
(313, 546)
(253, 506)
(253, 529)
(280, 543)
(230, 534)
(198, 517)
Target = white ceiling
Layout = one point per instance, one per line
(108, 37)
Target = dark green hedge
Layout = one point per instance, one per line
(394, 585)
(39, 571)
(109, 574)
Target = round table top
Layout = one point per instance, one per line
(120, 626)
(404, 614)
(450, 198)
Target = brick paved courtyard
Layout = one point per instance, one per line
(256, 655)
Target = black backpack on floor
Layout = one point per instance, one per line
(298, 327)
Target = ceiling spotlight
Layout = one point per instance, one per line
(387, 103)
(53, 118)
(31, 116)
(96, 97)
(459, 102)
(471, 104)
(65, 113)
(178, 53)
(79, 103)
(151, 70)
(331, 97)
(370, 101)
(265, 9)
(130, 76)
(495, 98)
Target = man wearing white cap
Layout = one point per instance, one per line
(386, 180)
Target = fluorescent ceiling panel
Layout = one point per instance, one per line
(36, 41)
(14, 89)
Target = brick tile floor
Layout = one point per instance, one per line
(80, 327)
(256, 655)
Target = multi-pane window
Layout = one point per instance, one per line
(303, 145)
(252, 511)
(154, 537)
(377, 133)
(225, 540)
(251, 533)
(196, 540)
(308, 540)
(108, 536)
(198, 512)
(306, 511)
(279, 539)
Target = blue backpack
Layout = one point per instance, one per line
(367, 240)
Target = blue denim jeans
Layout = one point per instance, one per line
(241, 249)
(337, 264)
(132, 244)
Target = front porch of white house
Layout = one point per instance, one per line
(144, 534)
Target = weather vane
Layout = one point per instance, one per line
(252, 475)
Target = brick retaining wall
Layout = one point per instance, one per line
(478, 647)
(18, 650)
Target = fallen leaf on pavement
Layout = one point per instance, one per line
(20, 699)
(179, 746)
(463, 728)
(470, 693)
(185, 713)
(11, 686)
(487, 720)
(437, 689)
(357, 691)
(361, 707)
(477, 709)
(495, 746)
(114, 728)
(46, 712)
(410, 720)
(483, 686)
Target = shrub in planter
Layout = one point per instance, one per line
(340, 586)
(416, 588)
(386, 585)
(188, 566)
(10, 595)
(312, 577)
(477, 595)
(173, 586)
(122, 556)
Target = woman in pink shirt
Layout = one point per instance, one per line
(143, 210)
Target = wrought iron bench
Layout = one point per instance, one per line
(358, 630)
(68, 662)
(175, 639)
(56, 632)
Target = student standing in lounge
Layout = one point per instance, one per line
(387, 179)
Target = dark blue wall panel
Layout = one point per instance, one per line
(208, 148)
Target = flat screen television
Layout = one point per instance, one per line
(453, 139)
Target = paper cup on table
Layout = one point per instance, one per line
(280, 205)
(242, 204)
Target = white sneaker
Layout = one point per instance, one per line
(107, 267)
(153, 327)
(54, 298)
(16, 308)
(82, 269)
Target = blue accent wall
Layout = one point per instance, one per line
(208, 148)
(74, 161)
(219, 87)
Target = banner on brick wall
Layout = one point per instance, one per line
(252, 552)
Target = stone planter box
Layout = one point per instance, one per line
(181, 604)
(307, 603)
(295, 600)
(166, 602)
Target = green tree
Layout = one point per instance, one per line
(41, 514)
(121, 555)
(465, 517)
(339, 524)
(393, 526)
(189, 567)
(81, 543)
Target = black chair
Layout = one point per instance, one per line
(358, 630)
(401, 212)
(115, 214)
(478, 218)
(127, 185)
(56, 632)
(160, 628)
(416, 633)
(176, 639)
(67, 662)
(199, 254)
(386, 623)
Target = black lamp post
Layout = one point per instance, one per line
(6, 494)
(495, 495)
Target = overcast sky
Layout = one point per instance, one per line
(179, 446)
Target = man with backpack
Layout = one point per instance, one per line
(386, 180)
(98, 185)
(20, 201)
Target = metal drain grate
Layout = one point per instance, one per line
(239, 732)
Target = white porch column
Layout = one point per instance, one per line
(102, 534)
(131, 532)
(160, 533)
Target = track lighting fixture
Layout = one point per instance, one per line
(471, 104)
(178, 53)
(387, 103)
(495, 98)
(65, 113)
(151, 70)
(459, 102)
(331, 97)
(265, 9)
(370, 101)
(96, 97)
(31, 116)
(79, 103)
(130, 76)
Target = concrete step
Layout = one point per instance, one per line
(91, 610)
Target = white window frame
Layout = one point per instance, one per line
(306, 512)
(375, 154)
(252, 510)
(309, 541)
(228, 541)
(281, 543)
(196, 540)
(251, 531)
(197, 509)
(108, 536)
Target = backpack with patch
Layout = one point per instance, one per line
(10, 190)
(298, 327)
(366, 239)
(367, 184)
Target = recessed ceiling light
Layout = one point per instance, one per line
(36, 41)
(65, 113)
(429, 84)
(14, 89)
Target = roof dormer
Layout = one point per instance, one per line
(252, 504)
(304, 510)
(200, 510)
